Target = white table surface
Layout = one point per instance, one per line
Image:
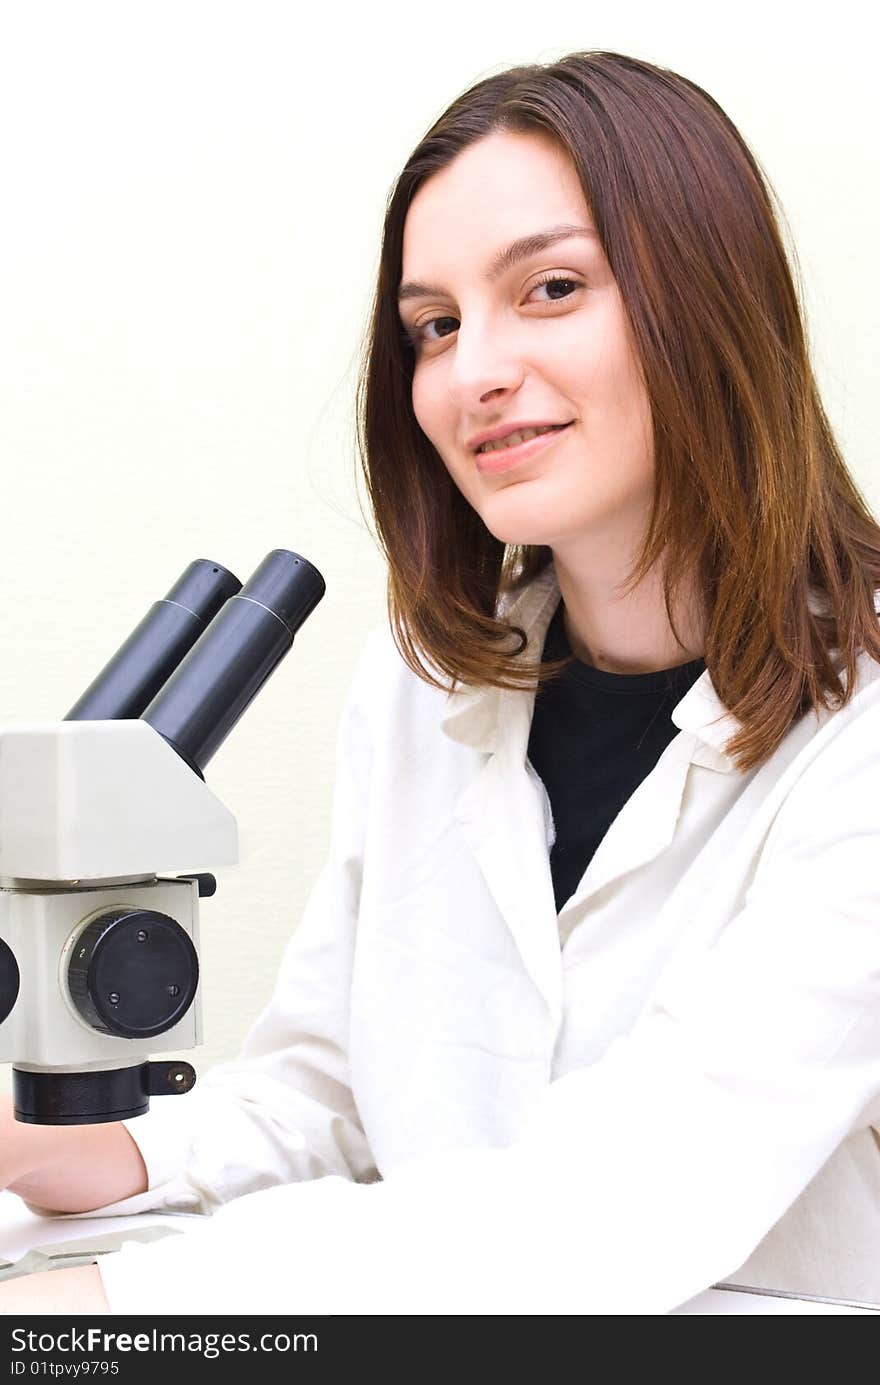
(22, 1230)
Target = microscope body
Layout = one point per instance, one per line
(104, 817)
(99, 937)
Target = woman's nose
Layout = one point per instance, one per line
(483, 363)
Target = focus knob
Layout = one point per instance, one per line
(133, 973)
(9, 981)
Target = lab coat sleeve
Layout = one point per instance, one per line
(283, 1110)
(637, 1181)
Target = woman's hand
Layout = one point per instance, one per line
(78, 1290)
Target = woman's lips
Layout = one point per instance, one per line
(502, 460)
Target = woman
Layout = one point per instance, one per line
(587, 994)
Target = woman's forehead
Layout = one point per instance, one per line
(503, 187)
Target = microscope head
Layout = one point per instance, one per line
(105, 826)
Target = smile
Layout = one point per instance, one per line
(513, 439)
(506, 452)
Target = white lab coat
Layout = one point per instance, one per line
(458, 1103)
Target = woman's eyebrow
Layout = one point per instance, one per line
(518, 250)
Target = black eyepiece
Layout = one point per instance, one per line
(147, 659)
(223, 672)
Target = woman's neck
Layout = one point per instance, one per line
(627, 633)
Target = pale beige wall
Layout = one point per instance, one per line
(192, 195)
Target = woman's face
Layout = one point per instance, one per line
(510, 336)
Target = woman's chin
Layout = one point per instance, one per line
(522, 535)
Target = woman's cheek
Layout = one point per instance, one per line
(423, 410)
(433, 420)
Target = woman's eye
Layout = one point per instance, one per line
(423, 332)
(557, 282)
(558, 287)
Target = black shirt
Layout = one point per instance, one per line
(595, 736)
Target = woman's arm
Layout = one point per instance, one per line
(57, 1291)
(68, 1168)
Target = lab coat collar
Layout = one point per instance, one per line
(474, 716)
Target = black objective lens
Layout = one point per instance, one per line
(243, 645)
(145, 662)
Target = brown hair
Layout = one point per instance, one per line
(752, 495)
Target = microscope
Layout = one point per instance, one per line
(106, 828)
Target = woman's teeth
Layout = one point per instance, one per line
(513, 439)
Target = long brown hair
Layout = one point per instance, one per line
(752, 495)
